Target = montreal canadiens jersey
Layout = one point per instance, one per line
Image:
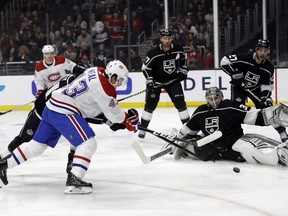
(89, 95)
(227, 118)
(46, 76)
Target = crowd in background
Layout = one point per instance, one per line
(88, 33)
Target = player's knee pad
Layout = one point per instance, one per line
(82, 157)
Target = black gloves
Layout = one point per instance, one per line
(267, 101)
(237, 80)
(150, 84)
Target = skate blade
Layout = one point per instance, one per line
(78, 190)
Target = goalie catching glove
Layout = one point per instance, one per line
(132, 119)
(276, 115)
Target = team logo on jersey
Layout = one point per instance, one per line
(251, 79)
(212, 124)
(54, 77)
(30, 132)
(169, 66)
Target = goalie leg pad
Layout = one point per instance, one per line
(257, 149)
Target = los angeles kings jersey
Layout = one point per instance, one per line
(227, 118)
(161, 65)
(89, 95)
(259, 78)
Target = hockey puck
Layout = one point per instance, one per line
(236, 169)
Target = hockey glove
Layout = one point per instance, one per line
(132, 120)
(237, 80)
(150, 84)
(182, 74)
(267, 101)
(38, 93)
(115, 126)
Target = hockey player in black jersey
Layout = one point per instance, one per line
(227, 117)
(165, 63)
(252, 76)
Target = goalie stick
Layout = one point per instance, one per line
(16, 108)
(172, 140)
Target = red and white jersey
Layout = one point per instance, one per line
(46, 76)
(88, 95)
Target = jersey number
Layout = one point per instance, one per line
(75, 91)
(232, 58)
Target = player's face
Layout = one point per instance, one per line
(262, 53)
(166, 41)
(214, 101)
(117, 82)
(49, 57)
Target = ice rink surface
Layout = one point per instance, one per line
(124, 186)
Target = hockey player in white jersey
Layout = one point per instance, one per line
(92, 93)
(51, 69)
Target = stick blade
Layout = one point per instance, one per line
(140, 152)
(210, 138)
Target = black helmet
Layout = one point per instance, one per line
(214, 96)
(166, 32)
(263, 43)
(80, 68)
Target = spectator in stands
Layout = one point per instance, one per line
(83, 50)
(194, 64)
(107, 16)
(200, 40)
(100, 34)
(122, 56)
(156, 38)
(84, 38)
(22, 53)
(35, 52)
(178, 40)
(193, 51)
(209, 60)
(136, 26)
(136, 61)
(116, 29)
(102, 56)
(57, 40)
(69, 38)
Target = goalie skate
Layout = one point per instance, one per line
(3, 173)
(75, 185)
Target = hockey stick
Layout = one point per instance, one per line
(198, 143)
(147, 159)
(144, 90)
(17, 107)
(172, 140)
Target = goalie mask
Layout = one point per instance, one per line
(117, 73)
(213, 97)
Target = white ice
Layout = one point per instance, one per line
(123, 185)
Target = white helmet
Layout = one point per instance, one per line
(118, 69)
(47, 49)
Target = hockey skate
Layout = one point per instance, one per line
(3, 172)
(70, 161)
(284, 136)
(282, 152)
(74, 185)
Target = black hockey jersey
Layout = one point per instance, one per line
(40, 102)
(259, 78)
(227, 118)
(163, 66)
